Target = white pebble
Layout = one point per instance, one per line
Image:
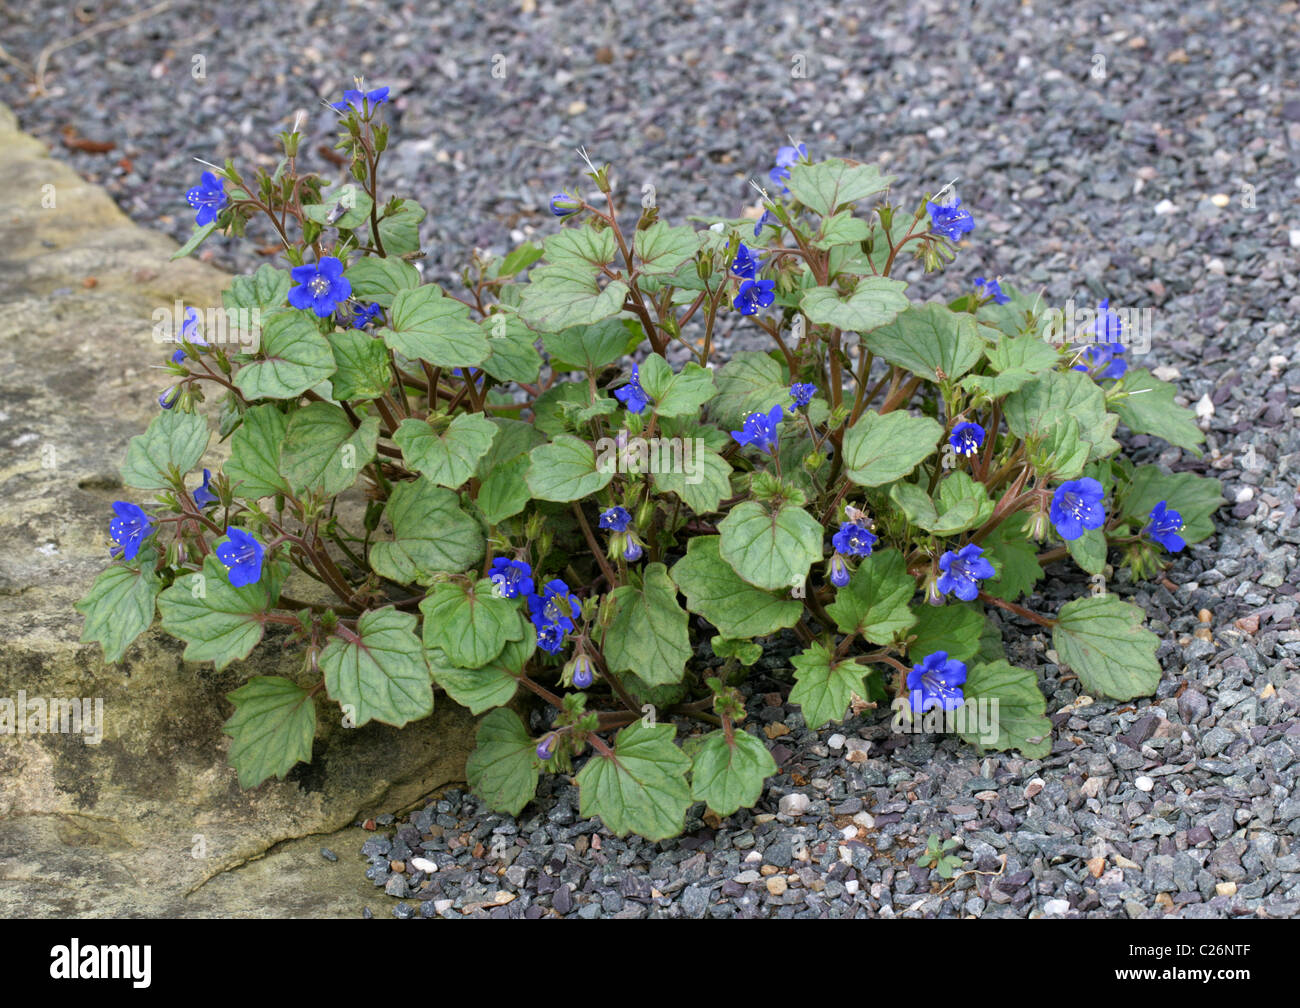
(1144, 783)
(1204, 407)
(794, 804)
(443, 905)
(1215, 266)
(753, 856)
(1167, 373)
(1165, 207)
(424, 865)
(851, 887)
(1244, 494)
(836, 741)
(849, 832)
(1057, 907)
(865, 819)
(1295, 238)
(1277, 362)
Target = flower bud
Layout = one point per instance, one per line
(839, 571)
(564, 205)
(933, 596)
(581, 672)
(1036, 526)
(546, 748)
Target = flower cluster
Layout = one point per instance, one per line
(624, 541)
(552, 612)
(1104, 357)
(802, 393)
(754, 293)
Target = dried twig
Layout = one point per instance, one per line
(42, 61)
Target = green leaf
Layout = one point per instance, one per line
(880, 449)
(471, 624)
(1022, 353)
(360, 365)
(590, 347)
(1194, 497)
(1146, 405)
(565, 470)
(770, 549)
(875, 302)
(431, 534)
(713, 590)
(749, 382)
(356, 204)
(448, 459)
(828, 185)
(1035, 409)
(504, 769)
(647, 633)
(824, 689)
(264, 290)
(729, 776)
(492, 685)
(428, 325)
(559, 297)
(380, 675)
(504, 493)
(874, 602)
(1089, 551)
(254, 466)
(295, 357)
(119, 607)
(323, 452)
(676, 394)
(842, 229)
(961, 504)
(953, 628)
(641, 788)
(1015, 558)
(379, 279)
(991, 649)
(1061, 453)
(1103, 641)
(745, 652)
(217, 621)
(197, 237)
(929, 339)
(520, 259)
(271, 730)
(998, 385)
(514, 355)
(1021, 723)
(662, 249)
(173, 441)
(702, 481)
(400, 231)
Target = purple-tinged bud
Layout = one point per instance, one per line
(582, 672)
(933, 596)
(546, 748)
(563, 205)
(633, 551)
(168, 399)
(839, 571)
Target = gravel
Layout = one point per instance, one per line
(1150, 154)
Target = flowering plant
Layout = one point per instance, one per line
(548, 483)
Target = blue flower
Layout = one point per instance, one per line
(1164, 527)
(616, 519)
(129, 529)
(511, 578)
(759, 429)
(582, 672)
(802, 393)
(949, 220)
(839, 571)
(546, 748)
(937, 682)
(363, 315)
(242, 556)
(550, 637)
(785, 157)
(967, 438)
(167, 399)
(767, 218)
(992, 289)
(203, 496)
(853, 540)
(321, 286)
(746, 264)
(633, 551)
(207, 198)
(562, 204)
(190, 335)
(963, 570)
(355, 98)
(754, 294)
(1105, 356)
(632, 395)
(1076, 506)
(555, 606)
